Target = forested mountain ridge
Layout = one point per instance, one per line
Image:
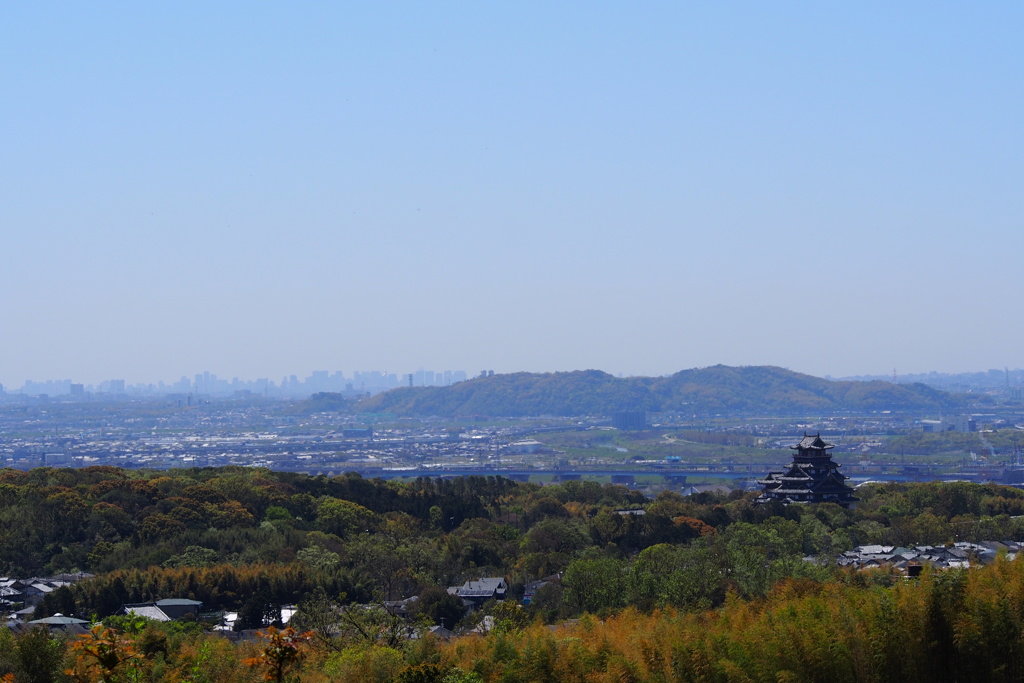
(711, 390)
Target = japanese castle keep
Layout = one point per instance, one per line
(813, 477)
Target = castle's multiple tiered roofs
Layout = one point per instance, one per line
(812, 477)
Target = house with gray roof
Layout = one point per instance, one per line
(476, 593)
(59, 622)
(164, 610)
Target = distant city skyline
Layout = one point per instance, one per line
(374, 381)
(209, 383)
(832, 188)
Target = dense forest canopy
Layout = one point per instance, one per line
(206, 533)
(709, 575)
(961, 625)
(706, 587)
(714, 390)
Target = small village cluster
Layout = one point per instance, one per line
(911, 560)
(19, 597)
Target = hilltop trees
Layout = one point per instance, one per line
(717, 389)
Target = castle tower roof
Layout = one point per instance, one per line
(812, 477)
(812, 443)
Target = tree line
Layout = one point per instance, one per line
(704, 587)
(225, 535)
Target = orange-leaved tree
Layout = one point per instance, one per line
(284, 648)
(103, 654)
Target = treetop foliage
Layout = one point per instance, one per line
(706, 587)
(223, 536)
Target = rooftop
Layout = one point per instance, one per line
(812, 443)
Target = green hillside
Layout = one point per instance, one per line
(712, 390)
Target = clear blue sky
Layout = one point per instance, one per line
(266, 188)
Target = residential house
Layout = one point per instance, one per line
(60, 623)
(476, 593)
(164, 610)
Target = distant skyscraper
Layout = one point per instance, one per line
(630, 419)
(317, 381)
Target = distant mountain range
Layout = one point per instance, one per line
(959, 382)
(760, 390)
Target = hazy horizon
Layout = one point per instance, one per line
(253, 189)
(402, 376)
